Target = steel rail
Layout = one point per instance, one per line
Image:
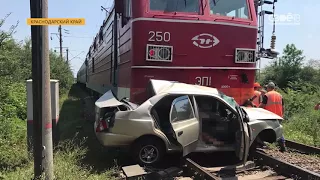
(260, 158)
(199, 171)
(285, 168)
(302, 147)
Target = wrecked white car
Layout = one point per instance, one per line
(182, 117)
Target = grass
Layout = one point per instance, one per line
(66, 166)
(297, 136)
(76, 156)
(304, 127)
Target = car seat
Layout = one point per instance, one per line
(163, 124)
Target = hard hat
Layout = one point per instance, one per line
(271, 85)
(256, 85)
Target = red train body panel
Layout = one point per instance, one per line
(195, 47)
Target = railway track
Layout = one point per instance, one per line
(263, 166)
(302, 148)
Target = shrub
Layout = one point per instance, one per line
(303, 122)
(60, 70)
(15, 69)
(12, 127)
(298, 100)
(304, 127)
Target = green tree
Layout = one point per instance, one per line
(311, 72)
(15, 69)
(60, 70)
(286, 69)
(5, 35)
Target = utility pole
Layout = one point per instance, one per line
(62, 50)
(42, 127)
(60, 40)
(67, 56)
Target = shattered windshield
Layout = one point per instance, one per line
(229, 100)
(175, 5)
(231, 8)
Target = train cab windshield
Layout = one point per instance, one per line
(230, 8)
(189, 6)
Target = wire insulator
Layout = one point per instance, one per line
(273, 41)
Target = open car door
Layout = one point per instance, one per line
(185, 124)
(242, 139)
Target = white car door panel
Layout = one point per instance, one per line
(184, 124)
(243, 138)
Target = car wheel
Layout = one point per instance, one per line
(148, 151)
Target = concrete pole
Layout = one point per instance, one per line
(46, 104)
(36, 38)
(42, 122)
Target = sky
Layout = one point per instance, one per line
(296, 23)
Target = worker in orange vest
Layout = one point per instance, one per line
(273, 101)
(257, 88)
(255, 100)
(263, 92)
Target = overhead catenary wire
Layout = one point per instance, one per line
(77, 36)
(77, 55)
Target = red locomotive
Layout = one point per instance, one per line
(206, 42)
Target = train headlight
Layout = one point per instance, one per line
(245, 55)
(159, 53)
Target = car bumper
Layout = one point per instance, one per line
(110, 139)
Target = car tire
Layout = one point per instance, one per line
(148, 151)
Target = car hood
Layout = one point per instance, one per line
(261, 114)
(108, 100)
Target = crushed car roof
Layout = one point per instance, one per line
(163, 86)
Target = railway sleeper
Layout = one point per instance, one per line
(228, 172)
